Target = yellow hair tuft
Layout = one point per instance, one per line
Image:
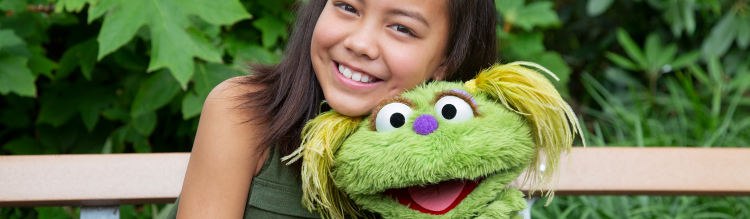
(554, 124)
(321, 137)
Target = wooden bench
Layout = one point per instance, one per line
(99, 183)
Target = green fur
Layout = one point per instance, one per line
(497, 144)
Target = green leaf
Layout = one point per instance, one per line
(665, 56)
(537, 14)
(82, 54)
(16, 77)
(145, 123)
(192, 105)
(72, 5)
(171, 46)
(8, 38)
(715, 69)
(688, 15)
(141, 146)
(652, 49)
(52, 212)
(272, 29)
(92, 103)
(155, 93)
(526, 44)
(722, 34)
(39, 63)
(116, 113)
(14, 118)
(743, 32)
(631, 48)
(686, 59)
(621, 61)
(23, 145)
(596, 7)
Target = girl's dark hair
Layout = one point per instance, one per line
(292, 93)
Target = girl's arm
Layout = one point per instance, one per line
(224, 158)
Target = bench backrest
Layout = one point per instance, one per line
(101, 180)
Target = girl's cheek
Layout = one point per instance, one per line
(407, 63)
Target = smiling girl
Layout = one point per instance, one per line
(351, 53)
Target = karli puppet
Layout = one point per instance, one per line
(441, 150)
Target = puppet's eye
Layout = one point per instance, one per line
(453, 109)
(391, 117)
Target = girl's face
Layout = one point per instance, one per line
(365, 51)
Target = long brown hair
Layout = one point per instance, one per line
(293, 94)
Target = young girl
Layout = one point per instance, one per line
(351, 53)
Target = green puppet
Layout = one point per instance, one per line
(441, 150)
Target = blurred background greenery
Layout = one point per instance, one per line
(122, 76)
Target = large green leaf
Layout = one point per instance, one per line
(9, 38)
(192, 105)
(39, 63)
(596, 7)
(743, 32)
(207, 77)
(16, 77)
(172, 46)
(721, 37)
(272, 29)
(155, 93)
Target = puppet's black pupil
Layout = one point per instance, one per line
(397, 120)
(449, 111)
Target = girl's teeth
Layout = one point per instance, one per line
(347, 73)
(355, 76)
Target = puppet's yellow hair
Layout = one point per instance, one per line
(529, 93)
(321, 137)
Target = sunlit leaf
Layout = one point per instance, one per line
(71, 5)
(16, 77)
(172, 46)
(272, 29)
(721, 37)
(535, 14)
(652, 49)
(39, 63)
(686, 59)
(596, 7)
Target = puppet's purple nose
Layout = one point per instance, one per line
(425, 124)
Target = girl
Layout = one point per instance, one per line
(353, 54)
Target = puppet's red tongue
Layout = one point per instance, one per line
(437, 197)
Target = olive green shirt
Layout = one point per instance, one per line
(276, 192)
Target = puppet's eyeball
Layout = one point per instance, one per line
(391, 117)
(453, 109)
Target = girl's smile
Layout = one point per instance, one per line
(364, 53)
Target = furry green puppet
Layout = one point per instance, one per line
(441, 150)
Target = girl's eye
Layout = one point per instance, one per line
(403, 29)
(347, 7)
(392, 117)
(454, 109)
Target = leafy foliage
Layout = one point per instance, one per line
(117, 76)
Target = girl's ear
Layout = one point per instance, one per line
(529, 93)
(321, 138)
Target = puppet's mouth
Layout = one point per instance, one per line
(436, 199)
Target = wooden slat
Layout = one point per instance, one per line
(91, 180)
(656, 171)
(97, 180)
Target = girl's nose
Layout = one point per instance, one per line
(425, 124)
(362, 42)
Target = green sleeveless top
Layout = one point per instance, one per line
(276, 192)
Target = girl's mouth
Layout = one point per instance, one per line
(355, 75)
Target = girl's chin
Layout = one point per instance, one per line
(351, 107)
